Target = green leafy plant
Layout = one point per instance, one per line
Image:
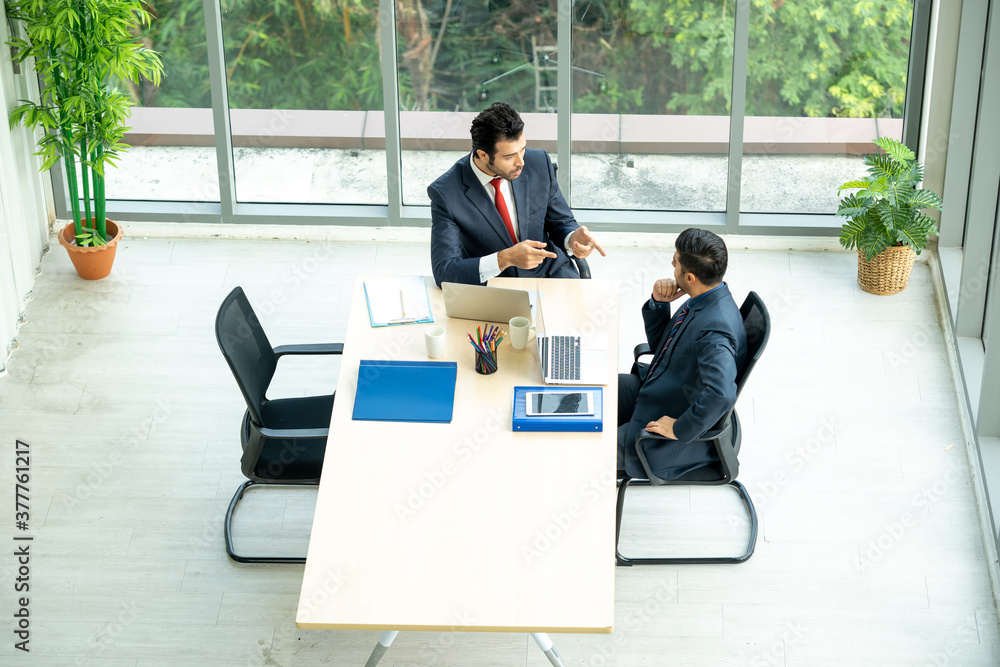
(79, 47)
(886, 210)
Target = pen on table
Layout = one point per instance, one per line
(402, 304)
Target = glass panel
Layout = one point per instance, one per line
(651, 96)
(173, 146)
(453, 65)
(305, 101)
(823, 81)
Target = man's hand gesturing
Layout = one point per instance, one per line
(525, 255)
(582, 243)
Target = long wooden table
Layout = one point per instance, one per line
(466, 526)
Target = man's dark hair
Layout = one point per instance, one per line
(499, 122)
(702, 253)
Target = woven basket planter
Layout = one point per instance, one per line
(887, 273)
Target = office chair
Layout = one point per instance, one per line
(726, 437)
(284, 439)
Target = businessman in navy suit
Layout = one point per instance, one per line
(499, 211)
(691, 382)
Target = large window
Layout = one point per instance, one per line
(455, 58)
(172, 154)
(652, 104)
(305, 101)
(823, 81)
(651, 87)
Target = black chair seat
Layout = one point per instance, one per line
(304, 412)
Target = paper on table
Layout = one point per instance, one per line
(397, 301)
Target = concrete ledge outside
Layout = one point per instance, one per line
(591, 133)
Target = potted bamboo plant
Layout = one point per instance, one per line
(885, 220)
(81, 50)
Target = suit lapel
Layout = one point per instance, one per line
(520, 187)
(692, 313)
(660, 367)
(476, 194)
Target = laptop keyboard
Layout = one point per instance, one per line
(563, 354)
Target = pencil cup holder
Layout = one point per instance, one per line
(486, 364)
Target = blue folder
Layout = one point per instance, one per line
(522, 422)
(405, 391)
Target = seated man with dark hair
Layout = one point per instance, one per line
(691, 382)
(499, 211)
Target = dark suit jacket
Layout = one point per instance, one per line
(465, 225)
(695, 383)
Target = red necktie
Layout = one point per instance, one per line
(502, 209)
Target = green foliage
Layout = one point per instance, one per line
(78, 48)
(886, 210)
(806, 57)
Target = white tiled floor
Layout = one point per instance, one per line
(869, 553)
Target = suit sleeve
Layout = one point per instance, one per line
(448, 260)
(716, 358)
(559, 220)
(656, 321)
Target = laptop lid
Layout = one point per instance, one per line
(486, 304)
(593, 353)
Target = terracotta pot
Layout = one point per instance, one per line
(91, 263)
(888, 272)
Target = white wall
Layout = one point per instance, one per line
(24, 211)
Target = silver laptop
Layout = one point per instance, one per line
(486, 304)
(570, 359)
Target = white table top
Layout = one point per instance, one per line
(468, 525)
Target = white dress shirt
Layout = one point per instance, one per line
(489, 266)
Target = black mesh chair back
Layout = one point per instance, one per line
(757, 323)
(247, 350)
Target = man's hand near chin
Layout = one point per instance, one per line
(666, 290)
(525, 255)
(663, 426)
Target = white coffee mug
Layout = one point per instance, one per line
(519, 327)
(434, 338)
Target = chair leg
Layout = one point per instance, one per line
(752, 542)
(619, 506)
(231, 550)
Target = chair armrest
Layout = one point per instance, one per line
(310, 348)
(294, 433)
(582, 266)
(641, 350)
(641, 452)
(720, 438)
